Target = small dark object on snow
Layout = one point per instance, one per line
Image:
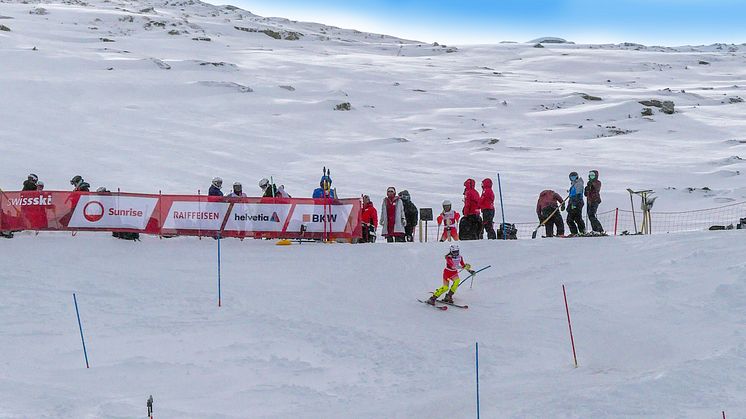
(346, 106)
(126, 236)
(510, 231)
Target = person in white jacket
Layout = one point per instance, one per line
(392, 217)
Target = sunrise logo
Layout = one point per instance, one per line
(93, 211)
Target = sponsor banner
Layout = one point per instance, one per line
(195, 215)
(316, 218)
(257, 217)
(109, 211)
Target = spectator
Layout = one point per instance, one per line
(487, 204)
(575, 205)
(369, 219)
(392, 217)
(237, 191)
(217, 183)
(30, 183)
(281, 192)
(593, 194)
(325, 189)
(547, 210)
(39, 186)
(410, 213)
(471, 225)
(80, 184)
(268, 191)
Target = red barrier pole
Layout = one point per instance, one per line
(616, 220)
(160, 215)
(723, 414)
(572, 341)
(199, 204)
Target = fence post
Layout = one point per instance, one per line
(476, 359)
(616, 220)
(502, 208)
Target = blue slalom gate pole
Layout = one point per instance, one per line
(502, 208)
(475, 274)
(220, 303)
(476, 358)
(80, 326)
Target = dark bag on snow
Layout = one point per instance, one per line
(470, 228)
(126, 236)
(510, 231)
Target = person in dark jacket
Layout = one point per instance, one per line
(268, 190)
(549, 204)
(593, 194)
(487, 204)
(410, 213)
(80, 184)
(217, 183)
(575, 205)
(30, 184)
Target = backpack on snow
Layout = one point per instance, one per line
(126, 236)
(470, 228)
(510, 231)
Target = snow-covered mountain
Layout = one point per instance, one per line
(147, 96)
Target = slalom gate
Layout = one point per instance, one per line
(180, 215)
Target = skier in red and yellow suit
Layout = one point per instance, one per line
(454, 262)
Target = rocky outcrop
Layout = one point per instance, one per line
(665, 106)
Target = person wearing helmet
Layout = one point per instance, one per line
(237, 191)
(449, 218)
(369, 219)
(451, 280)
(593, 194)
(39, 186)
(575, 205)
(268, 190)
(410, 213)
(30, 184)
(80, 184)
(325, 189)
(217, 184)
(471, 225)
(487, 204)
(393, 220)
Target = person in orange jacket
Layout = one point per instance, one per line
(449, 218)
(369, 219)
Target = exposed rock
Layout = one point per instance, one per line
(538, 46)
(174, 32)
(220, 64)
(162, 65)
(38, 11)
(549, 40)
(703, 62)
(345, 106)
(286, 35)
(4, 28)
(666, 106)
(647, 112)
(127, 18)
(735, 99)
(106, 40)
(239, 87)
(589, 97)
(288, 88)
(202, 38)
(147, 10)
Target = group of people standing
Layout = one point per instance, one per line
(550, 204)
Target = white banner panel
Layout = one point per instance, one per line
(191, 215)
(257, 217)
(104, 211)
(313, 216)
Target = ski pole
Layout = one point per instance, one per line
(472, 276)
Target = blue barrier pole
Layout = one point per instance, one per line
(502, 208)
(80, 326)
(476, 357)
(220, 303)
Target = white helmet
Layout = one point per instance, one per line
(446, 203)
(264, 183)
(237, 184)
(217, 181)
(454, 248)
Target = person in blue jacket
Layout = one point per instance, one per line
(575, 205)
(217, 183)
(325, 189)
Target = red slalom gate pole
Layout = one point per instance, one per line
(616, 220)
(723, 414)
(569, 323)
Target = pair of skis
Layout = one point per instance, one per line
(443, 307)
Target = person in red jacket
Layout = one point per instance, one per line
(449, 218)
(369, 218)
(454, 263)
(593, 194)
(547, 206)
(471, 225)
(487, 204)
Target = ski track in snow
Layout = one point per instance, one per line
(313, 331)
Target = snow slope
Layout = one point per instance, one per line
(153, 111)
(334, 331)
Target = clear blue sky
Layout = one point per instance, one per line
(652, 22)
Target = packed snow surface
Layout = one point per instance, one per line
(335, 331)
(148, 96)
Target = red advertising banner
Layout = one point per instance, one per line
(174, 215)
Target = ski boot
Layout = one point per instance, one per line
(432, 300)
(449, 297)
